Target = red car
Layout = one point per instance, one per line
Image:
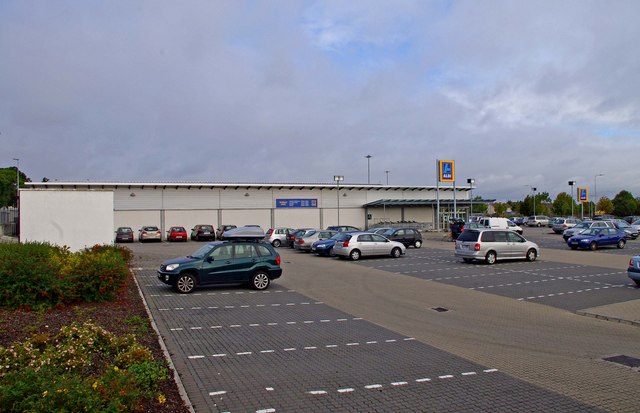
(177, 234)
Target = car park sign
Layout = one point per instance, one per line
(296, 203)
(583, 194)
(446, 171)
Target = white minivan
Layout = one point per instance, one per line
(500, 223)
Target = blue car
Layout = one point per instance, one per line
(634, 269)
(594, 238)
(323, 247)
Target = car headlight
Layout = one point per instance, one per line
(172, 267)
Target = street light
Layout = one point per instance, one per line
(387, 172)
(338, 178)
(571, 184)
(368, 168)
(595, 193)
(17, 182)
(534, 199)
(471, 181)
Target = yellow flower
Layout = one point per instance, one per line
(94, 385)
(116, 369)
(45, 393)
(162, 399)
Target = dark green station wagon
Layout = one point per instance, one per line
(237, 261)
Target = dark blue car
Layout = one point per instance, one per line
(594, 238)
(323, 246)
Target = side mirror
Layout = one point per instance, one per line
(209, 259)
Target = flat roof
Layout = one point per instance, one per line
(423, 202)
(229, 185)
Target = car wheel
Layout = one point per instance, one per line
(620, 244)
(593, 246)
(490, 258)
(185, 283)
(467, 260)
(637, 282)
(354, 255)
(276, 243)
(418, 243)
(532, 255)
(538, 225)
(396, 252)
(260, 280)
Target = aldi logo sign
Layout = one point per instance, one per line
(583, 194)
(446, 171)
(297, 203)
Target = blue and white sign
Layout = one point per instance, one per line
(446, 171)
(297, 203)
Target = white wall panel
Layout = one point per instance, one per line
(192, 199)
(242, 217)
(243, 198)
(78, 219)
(190, 218)
(351, 216)
(297, 217)
(137, 199)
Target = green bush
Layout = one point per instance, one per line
(40, 276)
(76, 371)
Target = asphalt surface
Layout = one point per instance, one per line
(420, 333)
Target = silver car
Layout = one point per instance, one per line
(149, 234)
(564, 223)
(305, 242)
(490, 245)
(278, 236)
(568, 233)
(361, 244)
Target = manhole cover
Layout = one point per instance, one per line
(440, 309)
(624, 360)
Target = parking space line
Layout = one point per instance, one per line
(272, 324)
(232, 307)
(291, 349)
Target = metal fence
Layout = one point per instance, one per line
(9, 219)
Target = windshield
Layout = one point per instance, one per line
(202, 251)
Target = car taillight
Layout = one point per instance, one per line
(345, 244)
(631, 262)
(144, 232)
(476, 247)
(300, 241)
(278, 260)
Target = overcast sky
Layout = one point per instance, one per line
(518, 93)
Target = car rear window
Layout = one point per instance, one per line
(342, 237)
(471, 236)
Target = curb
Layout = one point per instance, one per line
(609, 318)
(167, 356)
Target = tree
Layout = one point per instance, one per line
(624, 204)
(479, 207)
(8, 185)
(563, 203)
(500, 208)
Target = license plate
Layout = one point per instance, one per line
(179, 237)
(207, 233)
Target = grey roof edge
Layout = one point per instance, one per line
(425, 202)
(226, 185)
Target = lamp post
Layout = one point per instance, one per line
(338, 178)
(595, 193)
(471, 181)
(534, 199)
(17, 182)
(571, 184)
(387, 172)
(368, 168)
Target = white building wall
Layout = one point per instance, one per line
(241, 217)
(297, 218)
(75, 218)
(189, 219)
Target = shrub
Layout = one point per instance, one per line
(76, 371)
(40, 276)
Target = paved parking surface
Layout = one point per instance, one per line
(570, 287)
(240, 350)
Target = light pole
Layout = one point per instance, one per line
(368, 168)
(387, 172)
(571, 184)
(595, 193)
(17, 182)
(534, 199)
(338, 178)
(471, 181)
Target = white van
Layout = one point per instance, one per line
(500, 223)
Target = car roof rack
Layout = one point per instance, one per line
(243, 234)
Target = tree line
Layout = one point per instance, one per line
(623, 204)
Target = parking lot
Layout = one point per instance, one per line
(333, 335)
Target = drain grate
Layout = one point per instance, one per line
(624, 360)
(440, 309)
